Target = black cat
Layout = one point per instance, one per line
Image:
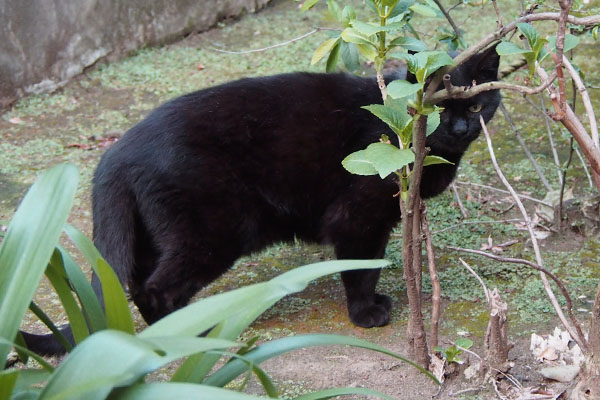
(228, 170)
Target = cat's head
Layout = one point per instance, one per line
(459, 124)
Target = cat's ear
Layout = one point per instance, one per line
(486, 65)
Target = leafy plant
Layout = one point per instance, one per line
(109, 358)
(452, 353)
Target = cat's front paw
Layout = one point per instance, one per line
(371, 314)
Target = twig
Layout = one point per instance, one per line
(435, 281)
(485, 289)
(498, 14)
(523, 196)
(572, 123)
(563, 181)
(504, 221)
(585, 168)
(463, 210)
(565, 6)
(547, 120)
(465, 92)
(448, 18)
(589, 109)
(525, 147)
(275, 45)
(575, 333)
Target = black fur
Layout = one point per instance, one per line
(225, 171)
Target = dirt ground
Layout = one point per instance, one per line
(78, 122)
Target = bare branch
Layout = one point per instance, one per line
(468, 267)
(575, 333)
(275, 45)
(465, 92)
(435, 282)
(523, 196)
(463, 210)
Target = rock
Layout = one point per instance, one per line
(562, 373)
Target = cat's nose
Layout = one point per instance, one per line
(459, 127)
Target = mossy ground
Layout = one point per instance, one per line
(76, 123)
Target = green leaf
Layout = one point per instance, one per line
(334, 55)
(436, 60)
(358, 164)
(335, 392)
(164, 390)
(368, 51)
(57, 276)
(109, 359)
(508, 48)
(352, 35)
(41, 315)
(94, 313)
(29, 243)
(401, 88)
(118, 315)
(348, 15)
(8, 381)
(423, 10)
(250, 301)
(350, 57)
(431, 160)
(395, 117)
(571, 41)
(529, 32)
(276, 347)
(43, 363)
(335, 10)
(433, 121)
(409, 43)
(308, 4)
(464, 343)
(387, 158)
(323, 49)
(367, 29)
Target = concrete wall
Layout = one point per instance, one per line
(44, 43)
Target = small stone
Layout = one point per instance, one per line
(563, 373)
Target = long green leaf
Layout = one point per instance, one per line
(29, 243)
(44, 364)
(57, 276)
(400, 88)
(38, 312)
(323, 49)
(118, 315)
(94, 313)
(248, 300)
(162, 391)
(277, 347)
(112, 358)
(8, 381)
(335, 392)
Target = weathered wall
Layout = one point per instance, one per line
(44, 43)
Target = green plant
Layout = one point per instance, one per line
(109, 358)
(451, 353)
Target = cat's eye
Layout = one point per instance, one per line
(475, 108)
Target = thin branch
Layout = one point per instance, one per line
(275, 45)
(585, 168)
(465, 92)
(589, 109)
(573, 124)
(533, 265)
(525, 147)
(485, 289)
(575, 333)
(523, 196)
(504, 221)
(497, 14)
(448, 18)
(435, 282)
(547, 120)
(463, 210)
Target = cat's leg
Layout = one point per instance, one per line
(186, 264)
(358, 226)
